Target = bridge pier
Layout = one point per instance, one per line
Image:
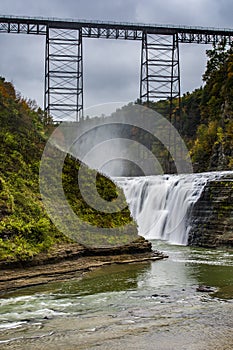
(160, 79)
(64, 74)
(160, 73)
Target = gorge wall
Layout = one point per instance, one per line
(212, 215)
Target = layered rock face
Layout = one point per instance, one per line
(212, 215)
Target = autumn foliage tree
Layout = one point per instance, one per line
(213, 146)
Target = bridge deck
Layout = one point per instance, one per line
(113, 30)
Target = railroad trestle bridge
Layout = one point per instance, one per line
(160, 71)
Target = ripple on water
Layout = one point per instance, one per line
(69, 316)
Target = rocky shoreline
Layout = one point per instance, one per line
(69, 261)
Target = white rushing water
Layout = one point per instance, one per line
(161, 204)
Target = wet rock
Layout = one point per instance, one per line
(75, 251)
(205, 289)
(212, 215)
(155, 295)
(160, 295)
(79, 261)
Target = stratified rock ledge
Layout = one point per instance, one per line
(212, 215)
(71, 260)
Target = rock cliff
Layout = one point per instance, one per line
(212, 215)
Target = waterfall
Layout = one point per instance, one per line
(161, 204)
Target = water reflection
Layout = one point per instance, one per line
(189, 266)
(114, 278)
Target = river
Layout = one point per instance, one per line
(137, 306)
(143, 306)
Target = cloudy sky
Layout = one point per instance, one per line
(111, 67)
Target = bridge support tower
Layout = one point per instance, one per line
(160, 79)
(64, 74)
(160, 72)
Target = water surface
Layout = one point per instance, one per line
(151, 305)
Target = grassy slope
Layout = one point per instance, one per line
(25, 228)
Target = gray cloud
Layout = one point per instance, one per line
(189, 12)
(22, 62)
(111, 67)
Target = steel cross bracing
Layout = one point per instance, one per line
(160, 76)
(64, 74)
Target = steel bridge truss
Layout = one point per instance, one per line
(64, 74)
(160, 74)
(160, 79)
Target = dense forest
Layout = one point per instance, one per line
(206, 118)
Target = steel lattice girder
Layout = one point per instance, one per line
(64, 74)
(160, 75)
(114, 30)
